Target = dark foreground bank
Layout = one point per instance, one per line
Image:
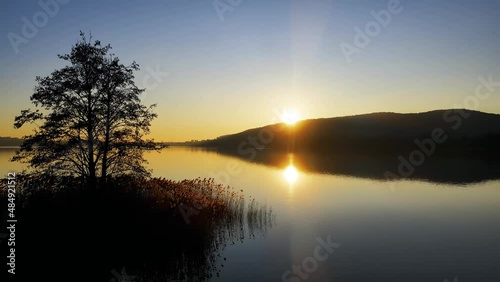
(135, 229)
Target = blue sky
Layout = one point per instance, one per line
(229, 73)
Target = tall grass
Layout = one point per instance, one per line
(152, 229)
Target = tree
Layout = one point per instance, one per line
(92, 121)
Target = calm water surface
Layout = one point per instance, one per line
(418, 231)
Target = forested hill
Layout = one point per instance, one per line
(455, 132)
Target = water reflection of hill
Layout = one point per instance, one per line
(456, 146)
(434, 169)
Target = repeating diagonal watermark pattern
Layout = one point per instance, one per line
(248, 149)
(363, 37)
(30, 28)
(321, 253)
(153, 77)
(121, 276)
(223, 6)
(151, 80)
(455, 118)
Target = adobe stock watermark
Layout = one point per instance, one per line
(223, 6)
(121, 276)
(11, 221)
(310, 264)
(30, 28)
(455, 118)
(152, 79)
(247, 149)
(372, 29)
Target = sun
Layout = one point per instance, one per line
(290, 116)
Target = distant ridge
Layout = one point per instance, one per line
(466, 132)
(10, 141)
(17, 142)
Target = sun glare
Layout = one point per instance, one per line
(291, 174)
(290, 117)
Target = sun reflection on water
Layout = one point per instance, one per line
(291, 174)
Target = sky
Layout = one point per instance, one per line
(223, 66)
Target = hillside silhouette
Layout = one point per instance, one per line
(467, 134)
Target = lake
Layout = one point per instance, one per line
(338, 223)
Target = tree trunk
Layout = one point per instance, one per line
(104, 168)
(92, 173)
(92, 181)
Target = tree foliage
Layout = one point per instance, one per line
(88, 119)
